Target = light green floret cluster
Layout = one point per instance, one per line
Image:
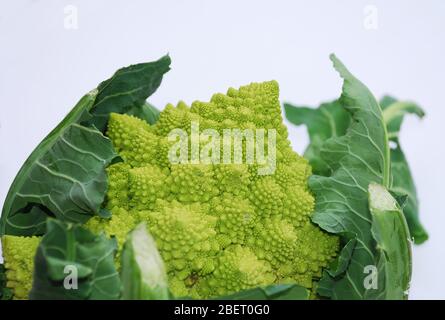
(18, 254)
(220, 228)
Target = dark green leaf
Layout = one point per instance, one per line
(273, 292)
(356, 159)
(65, 175)
(73, 263)
(331, 119)
(336, 269)
(143, 273)
(5, 293)
(127, 90)
(341, 264)
(104, 213)
(403, 182)
(390, 230)
(394, 112)
(147, 112)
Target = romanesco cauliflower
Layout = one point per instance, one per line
(220, 228)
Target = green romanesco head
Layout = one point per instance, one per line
(220, 227)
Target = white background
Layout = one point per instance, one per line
(45, 68)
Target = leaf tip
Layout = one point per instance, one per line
(166, 60)
(340, 67)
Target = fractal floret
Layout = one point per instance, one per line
(220, 227)
(18, 253)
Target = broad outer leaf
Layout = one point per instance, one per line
(403, 182)
(356, 159)
(394, 112)
(67, 247)
(390, 230)
(143, 273)
(147, 112)
(65, 177)
(272, 292)
(128, 89)
(338, 268)
(331, 120)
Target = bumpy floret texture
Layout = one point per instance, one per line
(118, 226)
(185, 235)
(18, 254)
(221, 226)
(237, 268)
